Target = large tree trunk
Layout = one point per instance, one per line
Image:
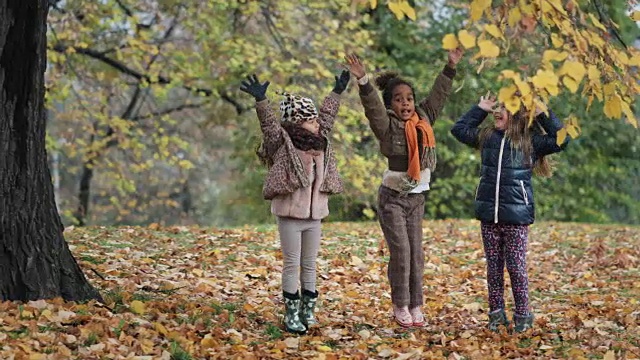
(35, 261)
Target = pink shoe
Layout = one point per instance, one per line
(402, 316)
(417, 316)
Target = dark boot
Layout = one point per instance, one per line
(292, 321)
(498, 318)
(522, 323)
(307, 310)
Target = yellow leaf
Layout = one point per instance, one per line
(613, 107)
(494, 31)
(488, 49)
(323, 348)
(575, 69)
(571, 84)
(137, 307)
(593, 73)
(373, 3)
(546, 79)
(507, 93)
(561, 136)
(631, 117)
(635, 16)
(572, 130)
(524, 87)
(467, 39)
(160, 328)
(450, 42)
(635, 60)
(208, 342)
(556, 40)
(509, 74)
(408, 10)
(513, 104)
(554, 55)
(609, 89)
(478, 7)
(396, 10)
(597, 23)
(623, 58)
(514, 17)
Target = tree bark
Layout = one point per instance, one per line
(35, 260)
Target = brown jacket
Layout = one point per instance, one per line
(289, 169)
(389, 129)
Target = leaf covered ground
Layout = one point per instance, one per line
(192, 293)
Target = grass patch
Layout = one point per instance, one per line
(273, 332)
(178, 353)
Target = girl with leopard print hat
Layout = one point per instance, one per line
(302, 173)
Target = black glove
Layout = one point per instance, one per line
(253, 87)
(342, 82)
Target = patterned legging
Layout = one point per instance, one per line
(507, 243)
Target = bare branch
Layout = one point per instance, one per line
(124, 8)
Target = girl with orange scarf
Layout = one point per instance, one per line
(407, 140)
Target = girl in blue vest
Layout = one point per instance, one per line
(511, 151)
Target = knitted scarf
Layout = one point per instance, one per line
(428, 142)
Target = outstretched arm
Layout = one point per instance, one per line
(331, 104)
(433, 103)
(466, 128)
(271, 129)
(374, 109)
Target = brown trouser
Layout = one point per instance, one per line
(401, 221)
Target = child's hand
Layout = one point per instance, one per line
(342, 82)
(455, 56)
(253, 87)
(356, 67)
(487, 102)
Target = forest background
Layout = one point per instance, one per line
(146, 123)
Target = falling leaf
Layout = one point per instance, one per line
(478, 7)
(494, 30)
(467, 39)
(635, 16)
(488, 49)
(514, 16)
(561, 136)
(450, 42)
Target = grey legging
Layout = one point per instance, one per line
(300, 242)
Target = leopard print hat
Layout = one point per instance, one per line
(297, 109)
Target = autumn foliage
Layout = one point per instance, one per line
(582, 54)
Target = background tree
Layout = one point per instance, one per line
(143, 97)
(35, 261)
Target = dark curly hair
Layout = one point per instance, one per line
(388, 81)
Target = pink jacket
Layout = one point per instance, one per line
(296, 187)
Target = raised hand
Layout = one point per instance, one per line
(341, 82)
(488, 102)
(454, 57)
(253, 87)
(356, 67)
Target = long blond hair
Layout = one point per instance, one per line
(520, 133)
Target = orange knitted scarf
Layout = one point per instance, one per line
(428, 141)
